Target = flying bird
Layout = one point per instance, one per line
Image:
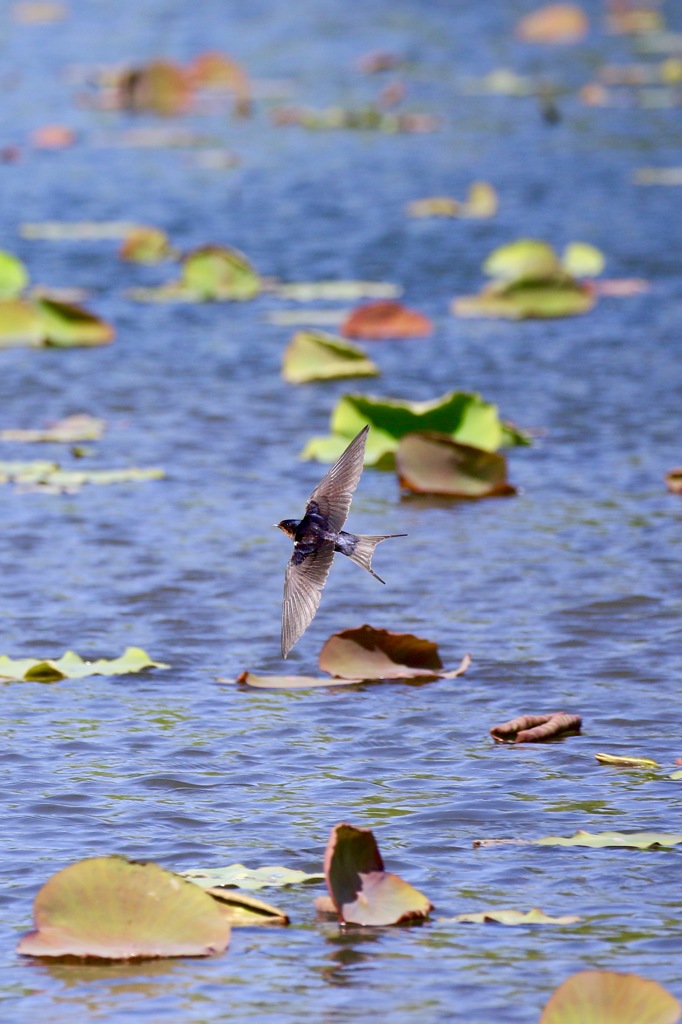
(318, 535)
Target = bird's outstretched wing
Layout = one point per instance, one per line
(334, 492)
(305, 577)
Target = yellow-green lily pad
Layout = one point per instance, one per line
(72, 666)
(240, 877)
(512, 918)
(314, 355)
(13, 276)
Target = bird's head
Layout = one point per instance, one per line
(288, 526)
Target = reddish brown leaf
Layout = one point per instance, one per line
(386, 319)
(673, 480)
(555, 23)
(368, 653)
(536, 728)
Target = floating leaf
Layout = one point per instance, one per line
(529, 300)
(604, 997)
(246, 911)
(618, 761)
(216, 272)
(582, 260)
(537, 728)
(526, 259)
(501, 82)
(20, 324)
(110, 908)
(70, 430)
(658, 176)
(386, 319)
(595, 840)
(72, 666)
(432, 463)
(290, 682)
(13, 276)
(306, 317)
(554, 23)
(66, 324)
(76, 231)
(312, 355)
(368, 653)
(217, 71)
(145, 244)
(337, 291)
(241, 877)
(463, 416)
(49, 478)
(159, 87)
(673, 480)
(363, 893)
(481, 202)
(435, 206)
(512, 917)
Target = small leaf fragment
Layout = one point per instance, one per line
(66, 324)
(537, 728)
(159, 87)
(618, 761)
(386, 319)
(604, 997)
(673, 480)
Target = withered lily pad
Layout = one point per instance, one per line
(368, 653)
(241, 877)
(362, 892)
(463, 416)
(537, 728)
(432, 463)
(110, 908)
(313, 355)
(70, 430)
(618, 761)
(386, 319)
(596, 840)
(604, 997)
(72, 666)
(513, 917)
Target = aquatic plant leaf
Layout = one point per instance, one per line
(66, 324)
(512, 917)
(482, 201)
(240, 877)
(432, 463)
(386, 319)
(580, 259)
(618, 761)
(435, 206)
(217, 272)
(673, 480)
(159, 87)
(52, 136)
(278, 682)
(368, 118)
(76, 231)
(38, 12)
(313, 355)
(246, 911)
(72, 666)
(368, 653)
(526, 259)
(527, 300)
(114, 909)
(306, 317)
(362, 892)
(595, 840)
(144, 244)
(553, 23)
(47, 477)
(13, 276)
(20, 324)
(213, 70)
(70, 430)
(537, 728)
(337, 291)
(604, 997)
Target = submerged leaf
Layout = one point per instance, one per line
(617, 761)
(241, 877)
(362, 892)
(70, 430)
(433, 463)
(110, 908)
(313, 355)
(537, 728)
(513, 917)
(604, 997)
(368, 653)
(554, 23)
(13, 276)
(386, 319)
(72, 666)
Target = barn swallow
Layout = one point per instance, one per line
(318, 535)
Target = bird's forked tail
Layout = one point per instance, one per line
(363, 549)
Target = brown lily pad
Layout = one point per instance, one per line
(369, 653)
(434, 463)
(386, 319)
(537, 728)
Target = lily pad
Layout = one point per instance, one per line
(70, 430)
(582, 260)
(337, 291)
(144, 244)
(110, 908)
(537, 728)
(527, 300)
(362, 892)
(216, 272)
(618, 761)
(241, 877)
(368, 653)
(72, 666)
(214, 70)
(481, 202)
(553, 23)
(159, 87)
(246, 911)
(13, 276)
(78, 230)
(386, 319)
(526, 259)
(513, 917)
(20, 324)
(313, 355)
(66, 324)
(464, 416)
(604, 997)
(47, 477)
(596, 840)
(432, 463)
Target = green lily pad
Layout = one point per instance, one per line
(72, 666)
(432, 463)
(464, 416)
(619, 761)
(362, 892)
(513, 918)
(241, 877)
(526, 259)
(580, 259)
(13, 276)
(526, 300)
(20, 324)
(66, 324)
(313, 355)
(216, 272)
(70, 430)
(604, 997)
(110, 908)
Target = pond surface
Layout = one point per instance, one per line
(568, 596)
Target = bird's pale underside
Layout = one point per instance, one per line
(318, 536)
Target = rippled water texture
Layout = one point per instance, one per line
(568, 596)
